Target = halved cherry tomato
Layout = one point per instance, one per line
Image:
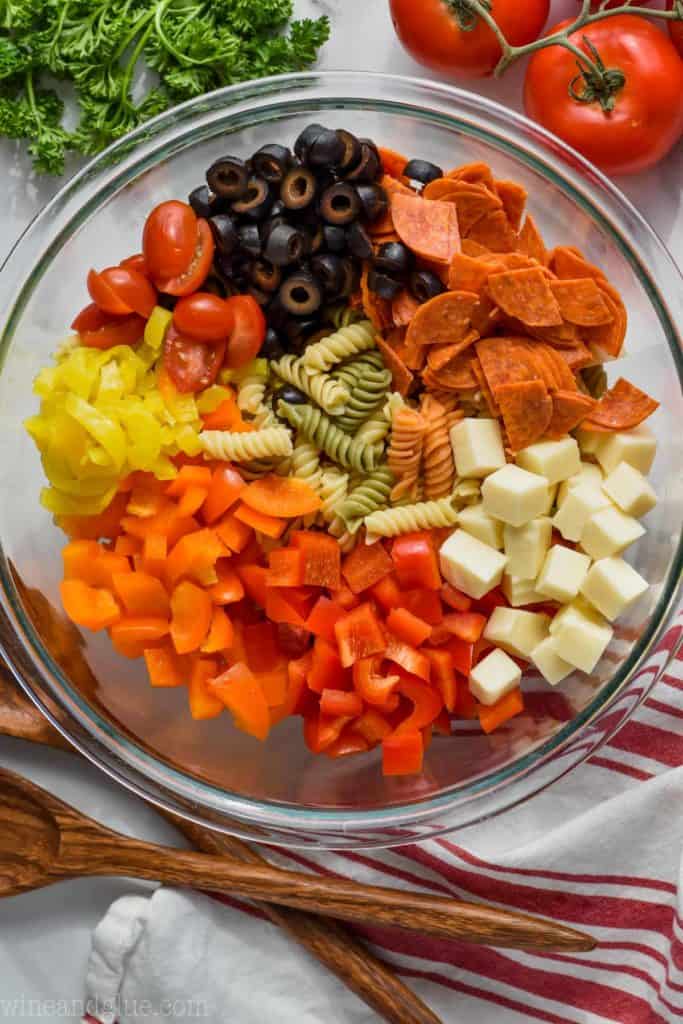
(120, 290)
(248, 332)
(197, 270)
(203, 317)
(90, 318)
(136, 262)
(128, 330)
(191, 365)
(169, 239)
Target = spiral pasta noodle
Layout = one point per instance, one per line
(252, 386)
(328, 393)
(343, 316)
(369, 496)
(367, 395)
(437, 453)
(351, 372)
(334, 484)
(304, 463)
(244, 447)
(424, 515)
(345, 342)
(405, 451)
(346, 538)
(338, 446)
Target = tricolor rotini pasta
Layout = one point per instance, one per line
(424, 515)
(369, 496)
(347, 341)
(270, 443)
(252, 386)
(337, 445)
(328, 393)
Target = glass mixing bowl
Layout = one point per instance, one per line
(144, 737)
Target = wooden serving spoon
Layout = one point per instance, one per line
(327, 940)
(43, 840)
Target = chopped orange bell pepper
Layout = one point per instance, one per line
(132, 635)
(297, 674)
(203, 703)
(492, 716)
(240, 692)
(254, 579)
(288, 496)
(326, 668)
(145, 499)
(373, 726)
(164, 667)
(226, 487)
(349, 742)
(402, 754)
(107, 524)
(221, 633)
(90, 607)
(187, 478)
(229, 587)
(191, 610)
(234, 534)
(366, 566)
(89, 561)
(141, 594)
(193, 555)
(127, 546)
(359, 634)
(340, 702)
(274, 682)
(261, 521)
(281, 606)
(192, 500)
(154, 551)
(167, 522)
(323, 617)
(321, 731)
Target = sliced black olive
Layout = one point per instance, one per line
(327, 268)
(278, 208)
(298, 189)
(298, 331)
(200, 201)
(425, 285)
(373, 200)
(301, 294)
(334, 238)
(263, 298)
(214, 286)
(276, 314)
(340, 204)
(272, 162)
(393, 258)
(422, 171)
(349, 279)
(359, 242)
(352, 150)
(224, 232)
(284, 245)
(368, 167)
(269, 225)
(228, 177)
(265, 275)
(290, 395)
(386, 287)
(306, 140)
(272, 347)
(326, 150)
(250, 239)
(224, 266)
(257, 200)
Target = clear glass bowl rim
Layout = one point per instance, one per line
(115, 753)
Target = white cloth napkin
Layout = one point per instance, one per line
(600, 850)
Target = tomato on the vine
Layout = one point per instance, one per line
(646, 115)
(203, 317)
(196, 271)
(191, 365)
(447, 37)
(248, 332)
(676, 30)
(127, 330)
(120, 291)
(169, 238)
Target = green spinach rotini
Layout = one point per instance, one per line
(368, 394)
(337, 445)
(369, 496)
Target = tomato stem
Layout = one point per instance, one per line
(597, 83)
(605, 82)
(465, 14)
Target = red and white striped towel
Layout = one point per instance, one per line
(600, 850)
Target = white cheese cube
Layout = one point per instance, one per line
(477, 447)
(470, 565)
(589, 473)
(552, 667)
(514, 495)
(580, 635)
(612, 585)
(526, 547)
(589, 440)
(555, 460)
(581, 503)
(637, 447)
(563, 574)
(485, 528)
(608, 532)
(630, 490)
(552, 496)
(516, 631)
(520, 592)
(495, 676)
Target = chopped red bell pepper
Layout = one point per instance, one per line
(366, 565)
(297, 674)
(224, 490)
(326, 668)
(260, 646)
(426, 604)
(281, 605)
(321, 556)
(427, 704)
(466, 706)
(349, 742)
(442, 723)
(408, 627)
(489, 602)
(490, 717)
(373, 687)
(467, 626)
(455, 598)
(462, 654)
(387, 593)
(325, 614)
(415, 662)
(346, 598)
(340, 702)
(274, 682)
(402, 754)
(373, 726)
(359, 634)
(416, 562)
(285, 568)
(321, 731)
(443, 675)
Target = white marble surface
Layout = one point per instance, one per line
(44, 936)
